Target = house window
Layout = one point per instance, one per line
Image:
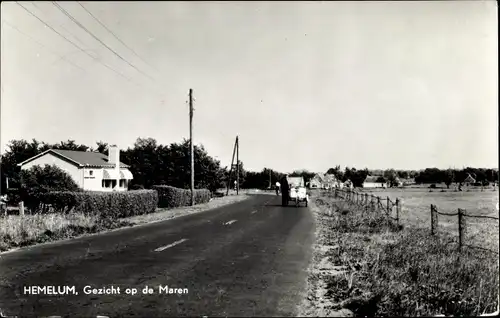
(108, 183)
(123, 183)
(91, 172)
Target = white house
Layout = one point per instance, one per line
(371, 182)
(92, 171)
(323, 181)
(316, 182)
(469, 180)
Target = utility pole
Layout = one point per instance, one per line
(191, 143)
(232, 165)
(270, 180)
(237, 165)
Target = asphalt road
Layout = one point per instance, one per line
(245, 259)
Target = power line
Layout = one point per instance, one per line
(61, 26)
(97, 39)
(116, 37)
(42, 45)
(78, 47)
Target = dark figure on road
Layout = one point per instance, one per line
(285, 188)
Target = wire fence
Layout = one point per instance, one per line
(393, 210)
(371, 202)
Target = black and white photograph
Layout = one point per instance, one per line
(249, 159)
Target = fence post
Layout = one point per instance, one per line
(397, 211)
(462, 228)
(378, 203)
(434, 219)
(388, 208)
(21, 208)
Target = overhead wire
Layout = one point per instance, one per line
(80, 48)
(61, 26)
(99, 40)
(41, 44)
(112, 33)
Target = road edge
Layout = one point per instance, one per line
(121, 228)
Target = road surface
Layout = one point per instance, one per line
(245, 259)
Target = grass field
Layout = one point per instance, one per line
(415, 211)
(365, 265)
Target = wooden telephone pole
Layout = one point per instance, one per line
(237, 152)
(270, 180)
(191, 143)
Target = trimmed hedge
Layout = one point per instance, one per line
(171, 197)
(104, 204)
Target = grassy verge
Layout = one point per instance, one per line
(35, 229)
(366, 266)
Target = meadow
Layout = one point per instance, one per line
(415, 211)
(365, 264)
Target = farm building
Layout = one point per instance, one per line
(92, 171)
(397, 182)
(323, 181)
(409, 181)
(371, 182)
(348, 184)
(316, 182)
(469, 180)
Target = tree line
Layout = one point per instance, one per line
(152, 163)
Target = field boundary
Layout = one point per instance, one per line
(374, 203)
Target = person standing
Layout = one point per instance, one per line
(285, 188)
(278, 185)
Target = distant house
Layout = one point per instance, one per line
(92, 171)
(316, 182)
(348, 184)
(469, 180)
(330, 181)
(397, 182)
(323, 181)
(372, 182)
(408, 181)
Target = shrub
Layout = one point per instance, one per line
(136, 187)
(13, 196)
(170, 197)
(432, 186)
(104, 204)
(40, 180)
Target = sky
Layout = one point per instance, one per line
(305, 85)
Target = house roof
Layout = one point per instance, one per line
(469, 178)
(318, 177)
(79, 158)
(372, 179)
(329, 178)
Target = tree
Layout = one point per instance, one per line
(334, 171)
(39, 180)
(357, 177)
(381, 179)
(390, 175)
(102, 147)
(448, 177)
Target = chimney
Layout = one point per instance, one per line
(114, 158)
